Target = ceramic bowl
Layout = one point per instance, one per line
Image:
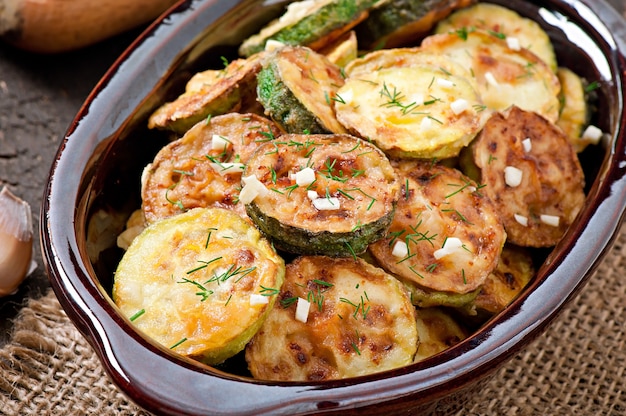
(96, 175)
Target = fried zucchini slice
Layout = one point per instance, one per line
(321, 194)
(410, 105)
(406, 58)
(135, 224)
(532, 174)
(445, 236)
(438, 331)
(425, 298)
(575, 113)
(211, 93)
(521, 31)
(203, 168)
(296, 87)
(309, 23)
(505, 76)
(200, 283)
(354, 320)
(514, 271)
(394, 23)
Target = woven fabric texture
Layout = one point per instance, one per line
(577, 367)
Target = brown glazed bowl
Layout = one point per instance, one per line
(99, 163)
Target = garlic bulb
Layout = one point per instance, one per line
(16, 241)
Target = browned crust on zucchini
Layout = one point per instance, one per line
(437, 204)
(552, 180)
(185, 173)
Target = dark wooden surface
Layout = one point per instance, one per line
(39, 97)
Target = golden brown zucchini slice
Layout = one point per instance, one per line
(438, 331)
(210, 94)
(204, 167)
(518, 30)
(336, 318)
(575, 113)
(309, 23)
(514, 271)
(393, 23)
(405, 57)
(200, 283)
(296, 87)
(532, 175)
(411, 104)
(445, 236)
(320, 194)
(505, 76)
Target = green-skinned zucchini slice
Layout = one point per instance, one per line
(525, 33)
(411, 104)
(394, 23)
(358, 321)
(325, 194)
(425, 298)
(505, 76)
(532, 174)
(200, 283)
(296, 87)
(211, 93)
(438, 330)
(309, 23)
(446, 236)
(204, 167)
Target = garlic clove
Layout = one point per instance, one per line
(16, 241)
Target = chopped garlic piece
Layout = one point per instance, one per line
(426, 124)
(256, 299)
(219, 142)
(226, 168)
(491, 80)
(272, 45)
(459, 106)
(400, 249)
(552, 220)
(451, 245)
(592, 134)
(252, 189)
(522, 220)
(527, 144)
(247, 194)
(302, 310)
(513, 43)
(326, 204)
(305, 177)
(512, 176)
(445, 83)
(346, 97)
(312, 195)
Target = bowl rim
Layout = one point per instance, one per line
(140, 375)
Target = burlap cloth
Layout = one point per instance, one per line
(577, 367)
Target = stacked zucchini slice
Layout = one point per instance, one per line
(382, 170)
